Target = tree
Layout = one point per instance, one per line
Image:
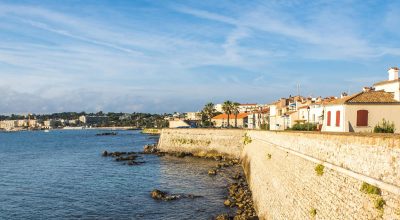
(235, 110)
(227, 108)
(209, 112)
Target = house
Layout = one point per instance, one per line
(258, 118)
(361, 112)
(221, 120)
(193, 116)
(392, 84)
(248, 107)
(178, 123)
(7, 124)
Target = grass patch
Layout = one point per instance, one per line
(313, 212)
(379, 203)
(246, 139)
(319, 169)
(370, 189)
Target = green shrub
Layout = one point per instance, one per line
(269, 156)
(313, 212)
(264, 126)
(246, 139)
(379, 203)
(319, 169)
(384, 127)
(370, 189)
(304, 127)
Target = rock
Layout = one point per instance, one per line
(236, 176)
(106, 133)
(105, 153)
(212, 172)
(223, 217)
(228, 202)
(157, 194)
(130, 157)
(150, 149)
(218, 158)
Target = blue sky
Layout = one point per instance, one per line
(166, 56)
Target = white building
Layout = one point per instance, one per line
(392, 84)
(7, 124)
(361, 112)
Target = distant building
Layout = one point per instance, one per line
(93, 120)
(221, 120)
(258, 118)
(7, 124)
(193, 116)
(179, 123)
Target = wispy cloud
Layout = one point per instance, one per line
(169, 57)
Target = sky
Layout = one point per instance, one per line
(164, 56)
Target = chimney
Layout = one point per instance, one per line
(344, 94)
(393, 73)
(367, 89)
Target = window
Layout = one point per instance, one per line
(337, 118)
(328, 120)
(362, 118)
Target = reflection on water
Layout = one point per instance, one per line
(61, 174)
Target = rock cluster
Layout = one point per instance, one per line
(224, 162)
(240, 197)
(150, 149)
(161, 195)
(106, 134)
(128, 157)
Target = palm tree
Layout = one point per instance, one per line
(227, 108)
(209, 111)
(235, 110)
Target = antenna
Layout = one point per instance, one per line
(298, 89)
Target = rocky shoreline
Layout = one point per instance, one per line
(239, 196)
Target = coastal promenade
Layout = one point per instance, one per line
(306, 175)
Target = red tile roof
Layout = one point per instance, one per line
(232, 116)
(377, 97)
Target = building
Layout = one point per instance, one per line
(392, 84)
(221, 120)
(361, 112)
(193, 116)
(258, 118)
(248, 107)
(93, 120)
(179, 123)
(7, 124)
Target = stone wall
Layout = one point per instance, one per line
(202, 142)
(281, 170)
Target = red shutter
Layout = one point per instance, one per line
(328, 123)
(362, 118)
(337, 118)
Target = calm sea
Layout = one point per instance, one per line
(62, 175)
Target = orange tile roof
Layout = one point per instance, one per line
(231, 116)
(377, 97)
(248, 104)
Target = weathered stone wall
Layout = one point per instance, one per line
(280, 168)
(202, 142)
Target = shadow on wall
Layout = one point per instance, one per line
(247, 168)
(351, 129)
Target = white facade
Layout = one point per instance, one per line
(392, 85)
(7, 124)
(329, 124)
(348, 117)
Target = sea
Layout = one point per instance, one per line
(61, 174)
